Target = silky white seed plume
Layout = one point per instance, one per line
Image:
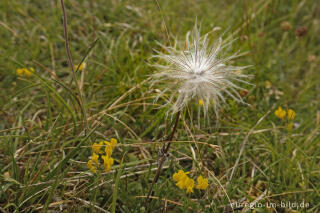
(198, 72)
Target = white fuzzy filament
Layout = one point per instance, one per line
(199, 73)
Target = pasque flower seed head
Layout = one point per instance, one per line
(200, 72)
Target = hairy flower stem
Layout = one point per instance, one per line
(165, 149)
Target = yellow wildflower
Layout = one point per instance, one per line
(280, 113)
(201, 102)
(291, 114)
(189, 184)
(108, 162)
(113, 142)
(181, 184)
(202, 183)
(95, 158)
(92, 168)
(105, 154)
(183, 181)
(180, 175)
(25, 72)
(28, 72)
(20, 71)
(97, 146)
(81, 66)
(108, 149)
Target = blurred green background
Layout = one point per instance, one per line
(42, 122)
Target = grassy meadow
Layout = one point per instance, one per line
(255, 156)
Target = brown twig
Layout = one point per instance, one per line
(65, 28)
(165, 148)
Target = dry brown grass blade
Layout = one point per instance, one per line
(163, 199)
(9, 29)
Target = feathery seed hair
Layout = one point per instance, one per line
(198, 72)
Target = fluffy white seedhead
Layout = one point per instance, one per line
(198, 73)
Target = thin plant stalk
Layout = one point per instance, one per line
(165, 149)
(65, 28)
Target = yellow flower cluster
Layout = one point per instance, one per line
(24, 72)
(202, 183)
(291, 114)
(102, 150)
(288, 115)
(282, 114)
(184, 182)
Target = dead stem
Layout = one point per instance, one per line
(80, 101)
(165, 149)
